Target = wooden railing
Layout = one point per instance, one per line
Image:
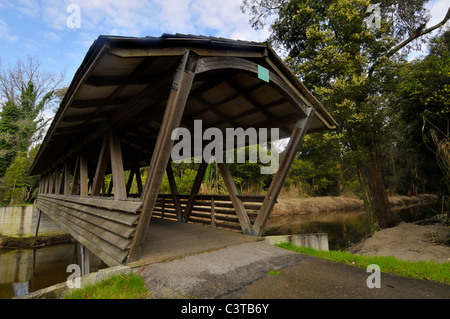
(214, 210)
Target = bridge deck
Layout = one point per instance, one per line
(166, 240)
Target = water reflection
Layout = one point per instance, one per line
(344, 229)
(23, 271)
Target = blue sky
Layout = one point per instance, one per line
(39, 27)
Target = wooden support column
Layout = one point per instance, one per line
(76, 177)
(241, 213)
(102, 163)
(295, 141)
(174, 191)
(194, 190)
(181, 86)
(66, 180)
(84, 180)
(117, 167)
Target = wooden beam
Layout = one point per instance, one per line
(181, 86)
(194, 190)
(174, 191)
(238, 206)
(296, 139)
(117, 166)
(102, 163)
(76, 177)
(66, 174)
(84, 180)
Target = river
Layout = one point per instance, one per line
(23, 271)
(344, 228)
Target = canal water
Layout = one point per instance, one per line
(23, 271)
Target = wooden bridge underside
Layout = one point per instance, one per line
(126, 99)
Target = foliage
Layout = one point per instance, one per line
(349, 66)
(20, 188)
(422, 99)
(425, 270)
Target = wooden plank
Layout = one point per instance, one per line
(111, 255)
(194, 190)
(296, 139)
(176, 103)
(117, 166)
(237, 203)
(97, 219)
(74, 216)
(114, 216)
(129, 206)
(102, 163)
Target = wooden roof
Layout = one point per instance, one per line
(124, 83)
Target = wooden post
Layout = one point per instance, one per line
(76, 177)
(181, 86)
(174, 191)
(66, 174)
(213, 210)
(102, 163)
(84, 180)
(241, 213)
(117, 167)
(194, 190)
(129, 181)
(285, 164)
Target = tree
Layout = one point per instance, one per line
(26, 92)
(348, 63)
(422, 99)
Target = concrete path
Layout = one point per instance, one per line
(241, 271)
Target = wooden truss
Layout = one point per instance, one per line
(113, 223)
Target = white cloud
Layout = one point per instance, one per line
(5, 33)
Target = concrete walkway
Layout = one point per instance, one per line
(241, 271)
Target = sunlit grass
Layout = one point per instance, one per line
(122, 286)
(425, 270)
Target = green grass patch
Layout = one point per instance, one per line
(273, 272)
(425, 270)
(121, 286)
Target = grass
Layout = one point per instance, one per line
(122, 286)
(424, 270)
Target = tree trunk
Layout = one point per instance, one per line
(376, 201)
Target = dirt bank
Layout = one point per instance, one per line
(325, 204)
(408, 241)
(28, 242)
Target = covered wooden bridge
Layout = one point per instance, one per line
(125, 100)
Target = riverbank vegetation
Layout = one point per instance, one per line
(424, 270)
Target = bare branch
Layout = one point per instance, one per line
(413, 35)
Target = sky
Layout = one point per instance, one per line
(48, 29)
